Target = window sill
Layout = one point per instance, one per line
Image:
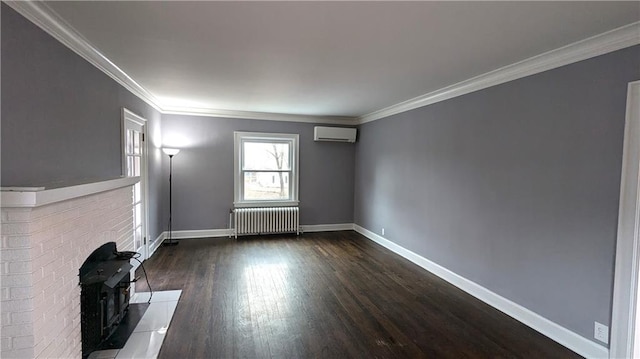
(265, 204)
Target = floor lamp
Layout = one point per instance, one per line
(170, 152)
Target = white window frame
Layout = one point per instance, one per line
(131, 121)
(238, 183)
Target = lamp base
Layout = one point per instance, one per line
(170, 244)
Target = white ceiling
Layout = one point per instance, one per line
(324, 58)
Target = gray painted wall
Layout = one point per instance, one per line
(515, 187)
(61, 119)
(203, 171)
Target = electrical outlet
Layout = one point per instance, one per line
(383, 231)
(601, 332)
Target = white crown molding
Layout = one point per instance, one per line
(49, 21)
(625, 36)
(554, 331)
(267, 116)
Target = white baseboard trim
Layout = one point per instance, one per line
(152, 249)
(186, 234)
(156, 244)
(196, 233)
(205, 233)
(200, 233)
(327, 227)
(562, 335)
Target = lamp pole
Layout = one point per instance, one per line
(171, 152)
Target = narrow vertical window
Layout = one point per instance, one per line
(133, 165)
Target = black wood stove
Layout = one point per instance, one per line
(104, 299)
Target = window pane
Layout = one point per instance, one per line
(266, 156)
(137, 196)
(129, 166)
(136, 142)
(136, 166)
(137, 237)
(266, 185)
(137, 215)
(129, 144)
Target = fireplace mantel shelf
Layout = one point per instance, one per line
(29, 197)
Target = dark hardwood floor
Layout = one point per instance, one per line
(325, 295)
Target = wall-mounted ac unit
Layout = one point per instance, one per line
(335, 134)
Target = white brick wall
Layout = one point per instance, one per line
(42, 251)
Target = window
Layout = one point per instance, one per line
(134, 160)
(266, 169)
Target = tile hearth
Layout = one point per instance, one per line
(146, 339)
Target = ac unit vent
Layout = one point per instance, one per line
(334, 134)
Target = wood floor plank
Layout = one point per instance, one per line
(325, 295)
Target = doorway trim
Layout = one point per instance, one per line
(128, 117)
(627, 260)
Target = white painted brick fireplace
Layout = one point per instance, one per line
(46, 236)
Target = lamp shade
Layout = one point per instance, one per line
(170, 151)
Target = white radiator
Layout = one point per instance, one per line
(266, 220)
